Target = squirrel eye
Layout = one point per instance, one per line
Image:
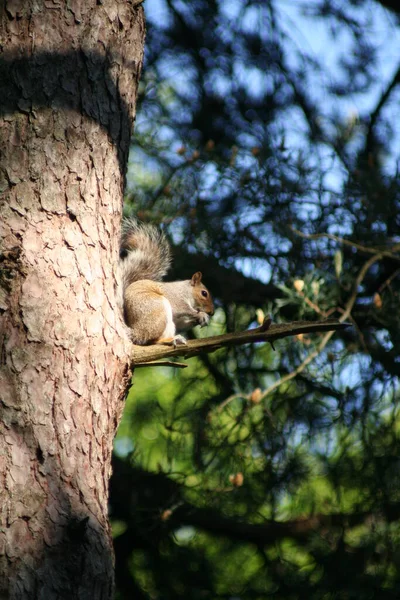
(204, 293)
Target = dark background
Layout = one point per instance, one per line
(267, 147)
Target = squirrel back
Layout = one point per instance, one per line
(153, 310)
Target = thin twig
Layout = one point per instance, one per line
(388, 281)
(311, 304)
(365, 249)
(162, 363)
(230, 399)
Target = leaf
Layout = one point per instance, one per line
(338, 261)
(378, 301)
(260, 316)
(298, 285)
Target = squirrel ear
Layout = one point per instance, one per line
(196, 278)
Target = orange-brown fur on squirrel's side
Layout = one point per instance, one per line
(157, 311)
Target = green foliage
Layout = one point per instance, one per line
(272, 166)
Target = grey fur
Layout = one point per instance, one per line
(148, 255)
(152, 309)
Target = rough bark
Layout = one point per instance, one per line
(68, 80)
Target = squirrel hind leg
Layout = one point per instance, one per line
(169, 335)
(177, 340)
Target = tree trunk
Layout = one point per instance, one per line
(68, 81)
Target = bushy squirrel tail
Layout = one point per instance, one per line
(145, 252)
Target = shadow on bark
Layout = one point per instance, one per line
(79, 81)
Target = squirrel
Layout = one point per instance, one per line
(156, 311)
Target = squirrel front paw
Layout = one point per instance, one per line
(203, 319)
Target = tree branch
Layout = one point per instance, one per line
(148, 355)
(173, 511)
(270, 531)
(376, 112)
